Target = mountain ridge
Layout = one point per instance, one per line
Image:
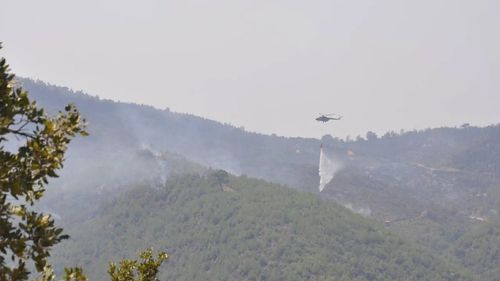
(431, 186)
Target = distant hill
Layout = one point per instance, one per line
(434, 186)
(237, 228)
(115, 126)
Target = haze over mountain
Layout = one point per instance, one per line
(383, 65)
(204, 142)
(438, 188)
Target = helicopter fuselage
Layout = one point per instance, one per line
(324, 118)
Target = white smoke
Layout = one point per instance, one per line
(328, 167)
(364, 211)
(160, 159)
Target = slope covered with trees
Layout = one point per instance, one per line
(122, 126)
(479, 250)
(430, 186)
(220, 227)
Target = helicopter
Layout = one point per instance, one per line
(327, 117)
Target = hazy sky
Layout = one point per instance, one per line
(271, 66)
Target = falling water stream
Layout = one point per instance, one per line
(327, 169)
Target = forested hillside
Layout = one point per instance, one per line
(479, 250)
(219, 227)
(435, 187)
(115, 126)
(291, 161)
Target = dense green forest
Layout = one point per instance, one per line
(237, 228)
(437, 188)
(479, 250)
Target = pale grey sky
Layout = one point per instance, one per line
(271, 66)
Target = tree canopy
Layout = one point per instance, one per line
(32, 149)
